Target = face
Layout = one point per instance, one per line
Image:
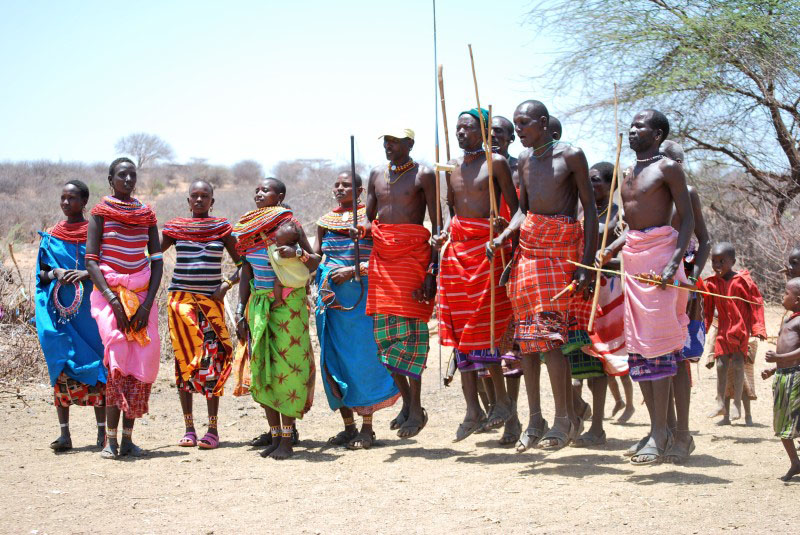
(267, 194)
(124, 180)
(343, 189)
(468, 132)
(600, 186)
(641, 135)
(200, 199)
(722, 264)
(502, 134)
(529, 129)
(794, 264)
(397, 149)
(72, 203)
(790, 298)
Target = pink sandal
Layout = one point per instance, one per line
(208, 442)
(189, 440)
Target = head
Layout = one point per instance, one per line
(531, 120)
(74, 196)
(648, 130)
(269, 192)
(122, 177)
(601, 175)
(468, 130)
(723, 258)
(792, 269)
(397, 145)
(343, 188)
(287, 234)
(791, 296)
(673, 151)
(201, 198)
(555, 127)
(502, 133)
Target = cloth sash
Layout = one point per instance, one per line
(656, 323)
(187, 336)
(608, 336)
(124, 352)
(397, 267)
(465, 288)
(74, 347)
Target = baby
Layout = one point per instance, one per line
(290, 273)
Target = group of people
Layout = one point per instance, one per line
(511, 267)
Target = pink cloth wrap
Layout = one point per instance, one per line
(655, 320)
(121, 356)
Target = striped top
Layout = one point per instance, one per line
(198, 266)
(123, 246)
(339, 251)
(263, 274)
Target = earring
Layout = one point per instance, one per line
(211, 210)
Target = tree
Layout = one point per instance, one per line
(248, 172)
(725, 72)
(145, 148)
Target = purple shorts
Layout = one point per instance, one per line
(642, 369)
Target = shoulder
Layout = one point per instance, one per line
(573, 155)
(425, 173)
(375, 171)
(671, 169)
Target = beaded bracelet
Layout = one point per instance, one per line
(94, 257)
(304, 258)
(433, 269)
(156, 257)
(226, 280)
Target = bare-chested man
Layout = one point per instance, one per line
(465, 279)
(655, 316)
(402, 271)
(552, 178)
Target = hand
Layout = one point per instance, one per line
(582, 278)
(58, 273)
(140, 319)
(603, 257)
(287, 251)
(71, 276)
(119, 315)
(343, 274)
(766, 374)
(353, 233)
(427, 291)
(219, 293)
(438, 240)
(668, 275)
(242, 328)
(277, 302)
(494, 244)
(771, 356)
(500, 224)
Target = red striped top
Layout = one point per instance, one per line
(123, 246)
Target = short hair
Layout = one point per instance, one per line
(357, 181)
(724, 248)
(793, 285)
(291, 224)
(555, 127)
(279, 185)
(658, 121)
(118, 161)
(203, 182)
(795, 251)
(673, 151)
(82, 188)
(539, 109)
(508, 126)
(606, 170)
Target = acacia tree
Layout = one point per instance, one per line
(146, 148)
(726, 73)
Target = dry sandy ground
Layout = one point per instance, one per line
(427, 484)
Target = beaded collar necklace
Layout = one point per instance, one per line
(651, 159)
(398, 170)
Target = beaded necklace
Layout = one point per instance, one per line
(401, 169)
(66, 313)
(651, 159)
(547, 147)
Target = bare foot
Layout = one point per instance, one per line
(626, 415)
(748, 420)
(719, 411)
(736, 411)
(269, 449)
(111, 451)
(283, 451)
(618, 406)
(363, 440)
(724, 421)
(794, 469)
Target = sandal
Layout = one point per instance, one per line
(531, 437)
(588, 439)
(189, 440)
(264, 439)
(652, 454)
(343, 437)
(511, 432)
(415, 430)
(210, 441)
(362, 441)
(630, 452)
(561, 438)
(465, 429)
(498, 417)
(679, 458)
(61, 444)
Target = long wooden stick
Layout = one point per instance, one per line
(356, 274)
(618, 136)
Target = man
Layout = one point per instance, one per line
(402, 271)
(502, 138)
(655, 316)
(465, 280)
(555, 128)
(552, 178)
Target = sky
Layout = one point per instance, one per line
(268, 81)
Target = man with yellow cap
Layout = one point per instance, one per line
(402, 271)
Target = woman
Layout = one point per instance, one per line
(200, 339)
(68, 334)
(281, 361)
(353, 376)
(125, 286)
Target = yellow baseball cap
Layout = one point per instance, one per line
(399, 133)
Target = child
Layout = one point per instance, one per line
(792, 268)
(786, 386)
(291, 272)
(737, 322)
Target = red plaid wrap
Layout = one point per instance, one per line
(128, 394)
(541, 270)
(465, 289)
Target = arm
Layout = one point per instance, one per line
(675, 180)
(502, 176)
(427, 180)
(227, 283)
(701, 233)
(93, 248)
(759, 327)
(242, 329)
(166, 242)
(447, 215)
(580, 171)
(140, 319)
(313, 258)
(519, 215)
(372, 199)
(708, 307)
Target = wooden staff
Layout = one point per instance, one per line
(596, 296)
(356, 274)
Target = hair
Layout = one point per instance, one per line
(115, 163)
(82, 188)
(507, 125)
(279, 185)
(795, 251)
(658, 121)
(606, 170)
(292, 225)
(724, 248)
(793, 285)
(357, 181)
(538, 109)
(555, 127)
(203, 182)
(673, 151)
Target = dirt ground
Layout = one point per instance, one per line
(427, 484)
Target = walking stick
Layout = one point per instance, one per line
(438, 223)
(596, 296)
(356, 274)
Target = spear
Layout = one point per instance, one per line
(356, 275)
